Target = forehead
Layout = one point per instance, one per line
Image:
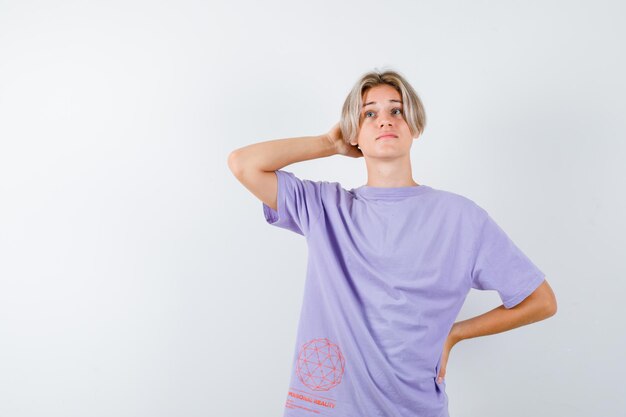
(381, 94)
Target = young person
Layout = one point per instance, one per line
(390, 262)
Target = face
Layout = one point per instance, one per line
(383, 113)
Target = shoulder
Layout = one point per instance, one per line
(453, 199)
(290, 178)
(458, 204)
(321, 191)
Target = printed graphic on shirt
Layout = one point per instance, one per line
(320, 366)
(306, 401)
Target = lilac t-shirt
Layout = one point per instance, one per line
(388, 271)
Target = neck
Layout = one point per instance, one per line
(390, 174)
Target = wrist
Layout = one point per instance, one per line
(456, 333)
(329, 145)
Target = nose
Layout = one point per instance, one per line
(384, 120)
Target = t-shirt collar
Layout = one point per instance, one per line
(389, 193)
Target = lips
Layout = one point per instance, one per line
(387, 136)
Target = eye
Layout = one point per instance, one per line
(393, 110)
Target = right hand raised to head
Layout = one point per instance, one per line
(343, 148)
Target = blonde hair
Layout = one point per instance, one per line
(413, 110)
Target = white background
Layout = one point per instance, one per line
(138, 277)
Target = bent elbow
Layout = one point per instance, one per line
(548, 300)
(551, 308)
(233, 163)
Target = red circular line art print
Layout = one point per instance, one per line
(320, 364)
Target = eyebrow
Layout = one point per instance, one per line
(373, 102)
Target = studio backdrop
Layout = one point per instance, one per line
(138, 277)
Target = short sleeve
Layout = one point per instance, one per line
(500, 265)
(299, 203)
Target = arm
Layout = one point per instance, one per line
(538, 306)
(275, 154)
(254, 165)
